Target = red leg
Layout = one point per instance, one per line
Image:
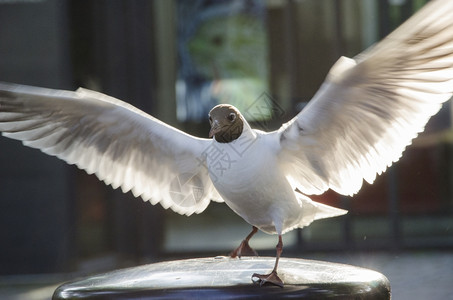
(272, 277)
(244, 248)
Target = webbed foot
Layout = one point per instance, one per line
(243, 250)
(271, 278)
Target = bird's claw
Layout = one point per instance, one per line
(243, 250)
(271, 278)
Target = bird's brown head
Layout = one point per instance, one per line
(226, 123)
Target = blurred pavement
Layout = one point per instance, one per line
(412, 275)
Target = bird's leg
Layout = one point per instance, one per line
(244, 248)
(272, 277)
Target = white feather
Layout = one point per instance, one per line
(369, 109)
(122, 145)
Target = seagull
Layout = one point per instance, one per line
(367, 111)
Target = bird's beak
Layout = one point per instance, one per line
(215, 127)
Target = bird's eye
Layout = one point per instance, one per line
(232, 117)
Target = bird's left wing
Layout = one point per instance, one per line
(121, 144)
(370, 108)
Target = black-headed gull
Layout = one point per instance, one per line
(366, 112)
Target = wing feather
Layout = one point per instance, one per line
(123, 146)
(370, 108)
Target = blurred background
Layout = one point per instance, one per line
(176, 59)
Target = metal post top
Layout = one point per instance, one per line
(230, 278)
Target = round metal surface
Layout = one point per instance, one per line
(227, 278)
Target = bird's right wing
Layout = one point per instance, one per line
(121, 144)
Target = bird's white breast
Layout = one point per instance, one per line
(246, 174)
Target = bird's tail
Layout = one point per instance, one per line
(312, 211)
